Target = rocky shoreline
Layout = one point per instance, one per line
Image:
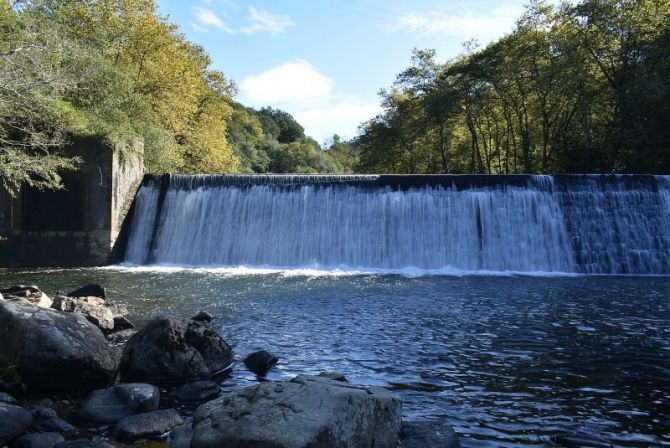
(74, 372)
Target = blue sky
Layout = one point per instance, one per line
(324, 61)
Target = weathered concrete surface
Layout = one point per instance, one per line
(55, 351)
(305, 412)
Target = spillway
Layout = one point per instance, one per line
(592, 224)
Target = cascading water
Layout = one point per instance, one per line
(577, 224)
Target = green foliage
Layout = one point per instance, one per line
(582, 88)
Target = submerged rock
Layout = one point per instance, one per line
(38, 440)
(54, 351)
(116, 403)
(428, 434)
(91, 289)
(197, 392)
(260, 362)
(149, 424)
(180, 436)
(335, 376)
(203, 316)
(305, 412)
(174, 351)
(14, 421)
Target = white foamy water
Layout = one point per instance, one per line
(345, 225)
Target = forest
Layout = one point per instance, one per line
(573, 88)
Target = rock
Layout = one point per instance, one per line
(175, 351)
(93, 308)
(55, 352)
(46, 419)
(20, 290)
(579, 441)
(13, 422)
(89, 290)
(180, 436)
(118, 402)
(335, 376)
(120, 337)
(305, 412)
(6, 398)
(83, 443)
(260, 362)
(121, 323)
(118, 310)
(428, 434)
(149, 424)
(38, 440)
(197, 392)
(203, 316)
(29, 293)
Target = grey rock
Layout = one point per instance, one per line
(428, 434)
(27, 293)
(6, 398)
(305, 412)
(120, 337)
(116, 403)
(46, 419)
(260, 362)
(93, 308)
(180, 436)
(203, 316)
(55, 352)
(335, 376)
(149, 424)
(197, 392)
(122, 323)
(14, 421)
(20, 290)
(89, 290)
(171, 350)
(38, 440)
(84, 443)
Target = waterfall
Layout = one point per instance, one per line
(574, 224)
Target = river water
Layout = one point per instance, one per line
(507, 360)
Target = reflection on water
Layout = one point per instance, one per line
(507, 360)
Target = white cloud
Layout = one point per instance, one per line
(259, 21)
(300, 89)
(263, 21)
(292, 82)
(463, 24)
(207, 18)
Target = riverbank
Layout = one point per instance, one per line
(76, 373)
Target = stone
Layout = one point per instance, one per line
(14, 420)
(149, 424)
(335, 376)
(89, 290)
(55, 352)
(305, 412)
(38, 440)
(27, 293)
(84, 443)
(120, 337)
(180, 436)
(20, 290)
(203, 316)
(6, 398)
(93, 308)
(197, 392)
(428, 434)
(46, 419)
(122, 323)
(260, 362)
(115, 403)
(172, 350)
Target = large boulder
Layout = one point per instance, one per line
(89, 290)
(260, 362)
(171, 350)
(54, 351)
(116, 403)
(305, 412)
(26, 294)
(13, 422)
